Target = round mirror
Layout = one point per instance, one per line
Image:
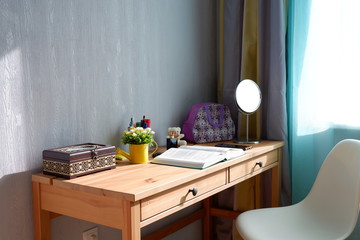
(248, 99)
(248, 96)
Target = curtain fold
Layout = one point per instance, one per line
(230, 34)
(272, 75)
(298, 24)
(250, 64)
(230, 42)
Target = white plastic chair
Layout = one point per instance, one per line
(329, 211)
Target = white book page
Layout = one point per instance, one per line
(191, 155)
(196, 156)
(227, 152)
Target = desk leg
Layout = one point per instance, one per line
(132, 230)
(42, 224)
(275, 186)
(207, 223)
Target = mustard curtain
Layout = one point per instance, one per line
(250, 63)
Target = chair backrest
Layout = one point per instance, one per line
(335, 195)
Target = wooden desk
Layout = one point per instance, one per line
(135, 195)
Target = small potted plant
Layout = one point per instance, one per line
(139, 140)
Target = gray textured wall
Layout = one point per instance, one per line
(74, 71)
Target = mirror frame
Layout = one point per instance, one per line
(256, 88)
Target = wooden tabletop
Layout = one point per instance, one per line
(137, 181)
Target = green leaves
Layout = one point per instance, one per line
(138, 135)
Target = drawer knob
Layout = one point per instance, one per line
(259, 163)
(194, 191)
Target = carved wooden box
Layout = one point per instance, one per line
(77, 160)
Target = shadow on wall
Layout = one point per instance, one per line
(16, 206)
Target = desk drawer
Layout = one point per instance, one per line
(247, 167)
(163, 201)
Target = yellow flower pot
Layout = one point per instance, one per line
(139, 153)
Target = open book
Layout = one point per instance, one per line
(196, 156)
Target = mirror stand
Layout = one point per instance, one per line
(247, 140)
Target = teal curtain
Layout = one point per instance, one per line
(298, 20)
(323, 84)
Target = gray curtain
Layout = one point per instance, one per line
(233, 33)
(272, 79)
(272, 55)
(231, 51)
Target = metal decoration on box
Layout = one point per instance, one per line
(77, 160)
